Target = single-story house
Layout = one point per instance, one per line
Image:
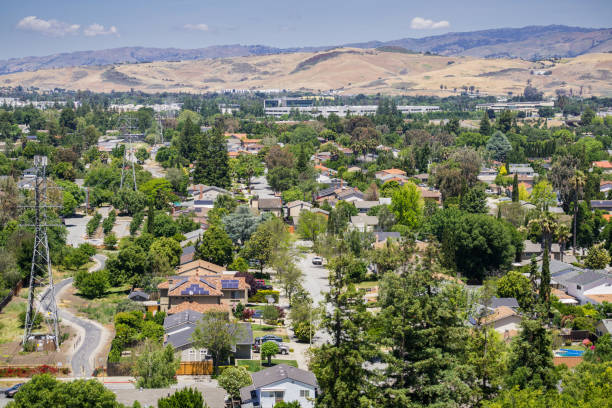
(271, 205)
(605, 165)
(364, 223)
(605, 186)
(605, 205)
(281, 383)
(294, 208)
(138, 296)
(188, 254)
(364, 206)
(503, 319)
(199, 267)
(385, 175)
(521, 170)
(604, 327)
(178, 333)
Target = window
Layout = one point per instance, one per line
(192, 354)
(278, 396)
(202, 354)
(304, 393)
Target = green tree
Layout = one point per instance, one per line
(212, 162)
(282, 178)
(530, 362)
(311, 225)
(185, 398)
(339, 364)
(142, 154)
(155, 366)
(427, 340)
(241, 224)
(217, 335)
(216, 246)
(232, 379)
(268, 350)
(499, 146)
(515, 189)
(169, 248)
(158, 191)
(69, 203)
(407, 205)
(543, 196)
(474, 201)
(44, 391)
(514, 284)
(92, 285)
(129, 201)
(597, 257)
(485, 125)
(248, 166)
(544, 291)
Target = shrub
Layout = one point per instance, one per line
(92, 285)
(185, 398)
(302, 331)
(37, 319)
(234, 378)
(136, 221)
(109, 222)
(110, 241)
(93, 224)
(261, 295)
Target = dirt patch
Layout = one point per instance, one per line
(117, 77)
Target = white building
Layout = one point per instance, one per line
(343, 110)
(281, 383)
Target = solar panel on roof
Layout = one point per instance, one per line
(229, 283)
(194, 290)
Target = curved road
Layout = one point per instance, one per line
(88, 343)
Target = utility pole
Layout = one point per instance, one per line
(41, 260)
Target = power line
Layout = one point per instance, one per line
(127, 127)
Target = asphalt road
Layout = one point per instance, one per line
(316, 282)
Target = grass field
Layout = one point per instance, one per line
(10, 328)
(103, 309)
(256, 365)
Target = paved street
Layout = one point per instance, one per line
(261, 188)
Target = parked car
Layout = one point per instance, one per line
(317, 260)
(268, 337)
(260, 284)
(258, 314)
(282, 348)
(10, 393)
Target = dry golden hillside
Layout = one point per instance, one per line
(348, 70)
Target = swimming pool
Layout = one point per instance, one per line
(570, 353)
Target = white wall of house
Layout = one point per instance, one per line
(292, 391)
(507, 324)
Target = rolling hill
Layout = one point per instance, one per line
(390, 70)
(531, 43)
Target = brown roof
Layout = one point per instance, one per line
(270, 203)
(198, 307)
(498, 314)
(195, 286)
(200, 265)
(393, 171)
(607, 297)
(560, 294)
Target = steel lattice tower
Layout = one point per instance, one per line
(128, 153)
(41, 261)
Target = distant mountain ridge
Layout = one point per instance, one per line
(530, 42)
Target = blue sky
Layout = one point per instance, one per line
(42, 27)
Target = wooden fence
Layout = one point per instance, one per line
(10, 295)
(186, 368)
(570, 362)
(195, 368)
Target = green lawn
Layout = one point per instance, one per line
(256, 365)
(572, 347)
(364, 285)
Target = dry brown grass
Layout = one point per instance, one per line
(348, 70)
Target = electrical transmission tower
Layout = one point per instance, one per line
(41, 261)
(127, 128)
(160, 125)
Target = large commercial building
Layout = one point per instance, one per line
(530, 108)
(344, 110)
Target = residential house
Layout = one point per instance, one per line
(605, 165)
(530, 248)
(605, 186)
(487, 175)
(386, 175)
(354, 169)
(563, 297)
(349, 195)
(364, 223)
(271, 205)
(502, 319)
(204, 192)
(364, 206)
(199, 267)
(510, 302)
(586, 286)
(179, 328)
(192, 236)
(604, 327)
(381, 238)
(605, 205)
(422, 178)
(521, 170)
(281, 383)
(431, 194)
(294, 208)
(187, 255)
(211, 293)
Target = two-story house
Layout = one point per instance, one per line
(281, 383)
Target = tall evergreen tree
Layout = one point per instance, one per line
(515, 189)
(485, 125)
(188, 139)
(339, 365)
(545, 280)
(427, 340)
(212, 162)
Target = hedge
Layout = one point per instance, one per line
(261, 295)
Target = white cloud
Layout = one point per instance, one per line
(98, 29)
(196, 27)
(420, 23)
(51, 27)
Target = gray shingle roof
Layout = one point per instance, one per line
(270, 203)
(381, 236)
(587, 277)
(187, 316)
(509, 302)
(277, 373)
(181, 335)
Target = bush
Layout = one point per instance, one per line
(37, 319)
(92, 285)
(110, 241)
(261, 295)
(302, 331)
(109, 222)
(93, 224)
(234, 378)
(185, 398)
(136, 221)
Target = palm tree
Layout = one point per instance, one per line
(563, 236)
(578, 182)
(548, 225)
